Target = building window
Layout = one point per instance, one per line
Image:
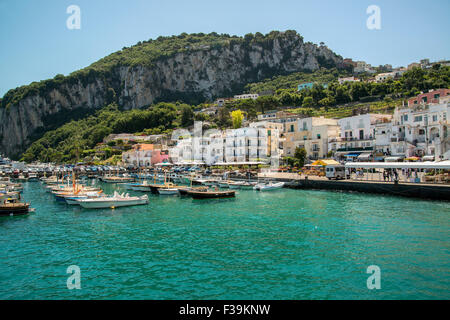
(318, 136)
(417, 118)
(421, 131)
(435, 118)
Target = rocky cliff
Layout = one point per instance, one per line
(200, 71)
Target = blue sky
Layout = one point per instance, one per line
(37, 45)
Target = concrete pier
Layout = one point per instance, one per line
(411, 190)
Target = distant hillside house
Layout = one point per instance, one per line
(144, 155)
(348, 79)
(432, 96)
(384, 76)
(307, 85)
(253, 96)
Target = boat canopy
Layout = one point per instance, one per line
(399, 165)
(352, 155)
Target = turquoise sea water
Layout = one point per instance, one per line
(286, 244)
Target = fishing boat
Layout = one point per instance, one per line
(13, 207)
(268, 186)
(116, 201)
(185, 190)
(214, 194)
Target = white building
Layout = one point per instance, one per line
(257, 143)
(140, 155)
(418, 131)
(253, 96)
(385, 76)
(357, 135)
(348, 79)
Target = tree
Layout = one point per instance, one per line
(224, 119)
(237, 117)
(300, 156)
(308, 102)
(187, 116)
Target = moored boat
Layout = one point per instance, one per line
(216, 194)
(268, 186)
(115, 201)
(168, 191)
(13, 207)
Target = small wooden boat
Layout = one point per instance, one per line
(185, 190)
(212, 194)
(13, 207)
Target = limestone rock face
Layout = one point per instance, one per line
(207, 72)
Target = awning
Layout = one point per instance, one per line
(400, 165)
(164, 164)
(325, 162)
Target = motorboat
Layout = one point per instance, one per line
(73, 199)
(214, 194)
(13, 207)
(185, 190)
(168, 191)
(115, 201)
(33, 177)
(268, 186)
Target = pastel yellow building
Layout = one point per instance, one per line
(310, 133)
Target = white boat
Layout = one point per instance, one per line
(33, 177)
(224, 184)
(73, 200)
(236, 184)
(113, 202)
(168, 191)
(268, 186)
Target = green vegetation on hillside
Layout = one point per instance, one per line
(320, 99)
(77, 139)
(144, 53)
